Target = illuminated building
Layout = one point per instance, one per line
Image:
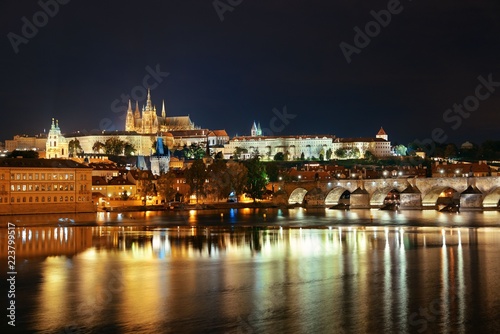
(29, 186)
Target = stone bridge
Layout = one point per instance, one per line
(414, 193)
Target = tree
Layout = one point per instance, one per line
(369, 156)
(279, 156)
(97, 147)
(165, 185)
(257, 178)
(74, 147)
(219, 155)
(114, 146)
(194, 151)
(238, 175)
(302, 157)
(25, 154)
(400, 150)
(272, 171)
(195, 178)
(341, 153)
(238, 151)
(146, 185)
(129, 149)
(321, 157)
(329, 153)
(354, 153)
(219, 183)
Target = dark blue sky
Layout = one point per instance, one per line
(263, 55)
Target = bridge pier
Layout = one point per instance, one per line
(360, 199)
(471, 199)
(410, 198)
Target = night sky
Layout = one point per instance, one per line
(262, 55)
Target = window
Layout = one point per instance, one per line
(61, 199)
(18, 176)
(42, 176)
(36, 199)
(24, 176)
(12, 199)
(30, 176)
(36, 176)
(48, 198)
(43, 199)
(49, 176)
(55, 198)
(30, 199)
(71, 198)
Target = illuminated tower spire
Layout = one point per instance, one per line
(129, 120)
(163, 113)
(148, 102)
(137, 113)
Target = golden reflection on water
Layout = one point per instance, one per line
(141, 278)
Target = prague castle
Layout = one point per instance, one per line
(148, 122)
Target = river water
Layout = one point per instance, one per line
(255, 271)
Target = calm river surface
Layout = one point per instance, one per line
(254, 271)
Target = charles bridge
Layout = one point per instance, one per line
(414, 193)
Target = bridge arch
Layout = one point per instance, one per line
(492, 199)
(334, 195)
(442, 194)
(380, 195)
(297, 196)
(314, 196)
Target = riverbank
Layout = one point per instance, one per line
(183, 206)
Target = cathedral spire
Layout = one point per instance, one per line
(129, 105)
(137, 111)
(148, 102)
(163, 113)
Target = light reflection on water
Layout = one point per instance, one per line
(284, 274)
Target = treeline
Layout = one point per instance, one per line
(488, 150)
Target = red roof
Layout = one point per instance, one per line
(381, 132)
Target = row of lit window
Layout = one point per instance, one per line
(36, 199)
(42, 187)
(102, 188)
(42, 176)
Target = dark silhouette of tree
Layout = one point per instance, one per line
(279, 156)
(195, 178)
(257, 178)
(25, 154)
(165, 185)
